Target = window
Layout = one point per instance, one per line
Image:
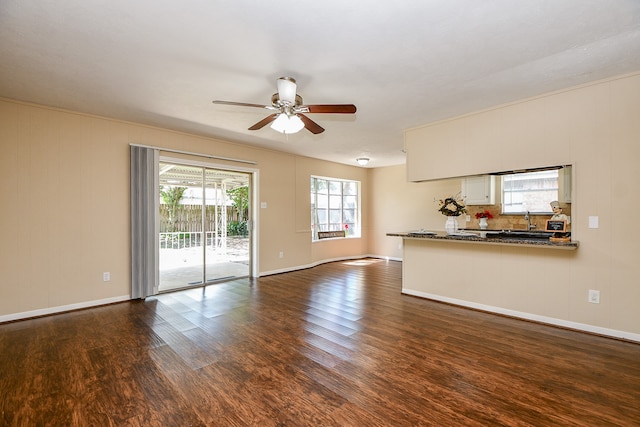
(529, 192)
(335, 206)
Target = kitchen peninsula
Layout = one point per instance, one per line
(540, 240)
(495, 272)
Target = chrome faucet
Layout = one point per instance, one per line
(529, 225)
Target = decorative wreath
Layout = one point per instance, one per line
(452, 206)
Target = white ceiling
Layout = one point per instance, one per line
(404, 63)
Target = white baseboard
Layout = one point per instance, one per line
(302, 267)
(62, 308)
(528, 316)
(385, 257)
(316, 263)
(88, 304)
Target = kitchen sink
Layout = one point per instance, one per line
(515, 234)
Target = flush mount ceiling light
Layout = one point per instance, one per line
(362, 161)
(287, 124)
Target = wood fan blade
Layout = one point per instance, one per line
(332, 108)
(311, 126)
(241, 104)
(262, 123)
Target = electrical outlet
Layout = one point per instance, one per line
(594, 296)
(106, 276)
(468, 218)
(281, 255)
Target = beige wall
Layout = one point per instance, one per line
(399, 205)
(54, 162)
(64, 187)
(597, 129)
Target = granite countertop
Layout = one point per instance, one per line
(492, 237)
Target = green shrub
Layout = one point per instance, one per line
(237, 228)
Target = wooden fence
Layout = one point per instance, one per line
(188, 218)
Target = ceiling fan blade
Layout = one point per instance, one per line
(311, 126)
(262, 123)
(241, 104)
(332, 108)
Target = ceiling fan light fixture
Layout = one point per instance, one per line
(289, 112)
(362, 161)
(287, 90)
(287, 124)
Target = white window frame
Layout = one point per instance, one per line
(538, 189)
(354, 230)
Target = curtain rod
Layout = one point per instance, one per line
(209, 156)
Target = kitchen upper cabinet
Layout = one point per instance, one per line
(479, 190)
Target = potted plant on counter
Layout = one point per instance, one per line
(452, 207)
(483, 217)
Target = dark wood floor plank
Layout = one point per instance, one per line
(333, 345)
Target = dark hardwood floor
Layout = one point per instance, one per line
(335, 345)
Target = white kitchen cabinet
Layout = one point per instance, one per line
(479, 190)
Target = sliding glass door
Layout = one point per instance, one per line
(204, 232)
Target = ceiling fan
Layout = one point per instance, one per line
(288, 110)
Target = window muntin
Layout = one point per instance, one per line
(335, 206)
(529, 192)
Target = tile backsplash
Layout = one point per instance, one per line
(510, 221)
